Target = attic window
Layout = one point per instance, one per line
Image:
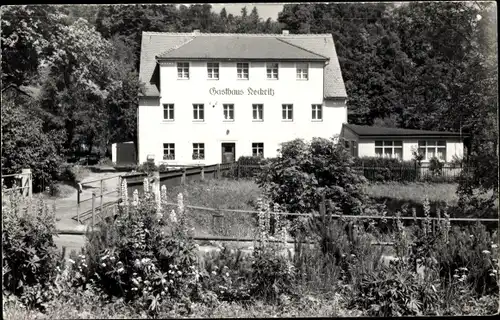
(242, 70)
(183, 70)
(272, 70)
(302, 71)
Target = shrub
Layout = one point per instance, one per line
(249, 167)
(29, 254)
(304, 172)
(146, 259)
(435, 167)
(395, 291)
(147, 167)
(272, 273)
(228, 275)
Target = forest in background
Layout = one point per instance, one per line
(70, 73)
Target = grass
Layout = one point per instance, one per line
(416, 191)
(307, 306)
(220, 194)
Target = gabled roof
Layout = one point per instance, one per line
(205, 46)
(381, 132)
(239, 48)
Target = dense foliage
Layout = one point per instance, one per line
(29, 255)
(303, 173)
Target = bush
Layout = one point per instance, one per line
(146, 259)
(273, 274)
(228, 275)
(435, 167)
(249, 167)
(304, 172)
(29, 254)
(395, 291)
(147, 167)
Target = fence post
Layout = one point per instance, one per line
(78, 202)
(183, 178)
(156, 190)
(202, 174)
(101, 195)
(25, 182)
(93, 210)
(238, 170)
(218, 170)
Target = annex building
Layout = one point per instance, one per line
(211, 98)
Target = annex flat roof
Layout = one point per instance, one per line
(383, 132)
(157, 46)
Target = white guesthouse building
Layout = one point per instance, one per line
(211, 98)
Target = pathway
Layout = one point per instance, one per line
(66, 208)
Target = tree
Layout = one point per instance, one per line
(304, 172)
(77, 80)
(25, 144)
(28, 34)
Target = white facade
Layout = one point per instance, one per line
(183, 131)
(453, 147)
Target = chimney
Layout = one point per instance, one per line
(285, 32)
(196, 32)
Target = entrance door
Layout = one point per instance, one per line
(228, 152)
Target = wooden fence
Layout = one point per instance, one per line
(23, 182)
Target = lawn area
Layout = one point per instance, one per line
(220, 194)
(416, 191)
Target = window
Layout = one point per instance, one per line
(183, 70)
(258, 112)
(168, 112)
(213, 70)
(228, 112)
(242, 70)
(198, 112)
(272, 70)
(287, 112)
(168, 151)
(389, 149)
(198, 151)
(431, 149)
(258, 149)
(317, 112)
(302, 71)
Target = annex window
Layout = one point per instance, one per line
(213, 70)
(287, 112)
(302, 71)
(258, 112)
(198, 151)
(272, 70)
(432, 148)
(168, 151)
(198, 112)
(389, 149)
(183, 70)
(168, 112)
(242, 70)
(317, 112)
(228, 112)
(258, 149)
